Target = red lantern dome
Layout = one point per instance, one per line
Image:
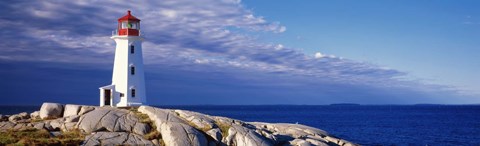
(129, 25)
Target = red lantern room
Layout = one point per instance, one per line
(129, 25)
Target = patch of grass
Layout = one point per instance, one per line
(75, 133)
(34, 120)
(133, 109)
(154, 134)
(142, 117)
(31, 136)
(161, 142)
(223, 128)
(204, 129)
(6, 138)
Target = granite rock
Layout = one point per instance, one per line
(215, 133)
(71, 110)
(119, 126)
(73, 118)
(35, 115)
(86, 109)
(115, 138)
(200, 121)
(6, 125)
(19, 117)
(174, 130)
(112, 120)
(243, 136)
(51, 111)
(141, 128)
(39, 125)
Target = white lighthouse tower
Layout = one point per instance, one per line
(128, 81)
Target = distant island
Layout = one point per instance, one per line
(58, 124)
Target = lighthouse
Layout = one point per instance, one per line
(128, 79)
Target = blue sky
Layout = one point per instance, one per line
(247, 52)
(431, 40)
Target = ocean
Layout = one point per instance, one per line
(363, 124)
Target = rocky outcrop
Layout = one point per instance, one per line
(299, 134)
(6, 125)
(51, 110)
(243, 136)
(19, 118)
(112, 120)
(147, 125)
(174, 130)
(115, 138)
(71, 110)
(86, 109)
(35, 115)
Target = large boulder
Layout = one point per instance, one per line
(181, 134)
(243, 136)
(112, 120)
(115, 138)
(51, 111)
(174, 130)
(19, 117)
(71, 110)
(35, 115)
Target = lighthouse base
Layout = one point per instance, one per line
(111, 97)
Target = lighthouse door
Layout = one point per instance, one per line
(107, 96)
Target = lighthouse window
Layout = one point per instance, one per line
(129, 25)
(133, 92)
(132, 70)
(124, 25)
(132, 49)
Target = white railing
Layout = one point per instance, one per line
(115, 32)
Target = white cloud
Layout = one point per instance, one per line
(169, 13)
(41, 13)
(201, 61)
(319, 55)
(282, 29)
(279, 47)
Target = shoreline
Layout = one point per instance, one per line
(145, 123)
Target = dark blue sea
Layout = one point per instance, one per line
(364, 124)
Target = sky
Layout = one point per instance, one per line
(232, 52)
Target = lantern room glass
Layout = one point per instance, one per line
(130, 25)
